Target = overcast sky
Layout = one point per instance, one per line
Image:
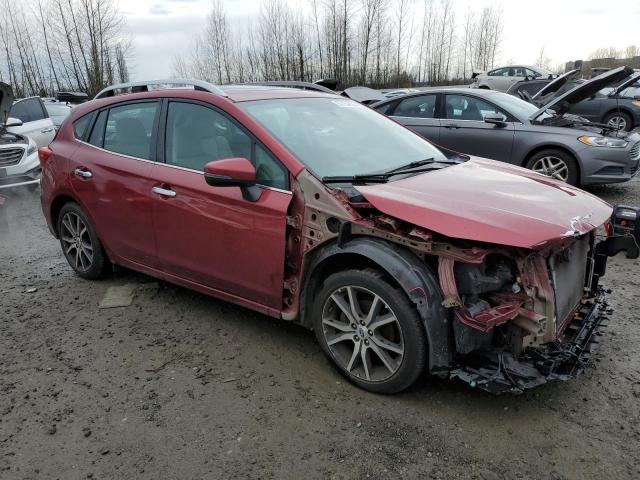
(567, 29)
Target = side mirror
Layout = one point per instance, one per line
(233, 172)
(13, 122)
(496, 119)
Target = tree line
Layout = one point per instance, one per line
(380, 43)
(62, 45)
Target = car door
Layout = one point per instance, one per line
(36, 123)
(419, 114)
(111, 176)
(498, 79)
(212, 235)
(464, 129)
(590, 108)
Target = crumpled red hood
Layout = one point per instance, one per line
(490, 201)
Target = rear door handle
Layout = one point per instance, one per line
(165, 192)
(82, 173)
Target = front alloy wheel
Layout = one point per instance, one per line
(553, 167)
(362, 333)
(556, 164)
(370, 329)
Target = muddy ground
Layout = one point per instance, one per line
(182, 386)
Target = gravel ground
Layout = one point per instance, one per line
(180, 385)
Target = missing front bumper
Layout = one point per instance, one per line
(500, 372)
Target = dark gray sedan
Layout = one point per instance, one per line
(502, 127)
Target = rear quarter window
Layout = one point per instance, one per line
(81, 125)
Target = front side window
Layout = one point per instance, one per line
(197, 135)
(336, 137)
(499, 72)
(462, 107)
(129, 129)
(519, 72)
(423, 106)
(28, 110)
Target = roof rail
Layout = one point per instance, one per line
(294, 83)
(143, 86)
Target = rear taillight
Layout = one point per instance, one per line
(44, 153)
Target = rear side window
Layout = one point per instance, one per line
(423, 106)
(28, 110)
(80, 126)
(129, 129)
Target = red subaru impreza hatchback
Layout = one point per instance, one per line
(312, 208)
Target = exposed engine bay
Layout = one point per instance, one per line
(515, 317)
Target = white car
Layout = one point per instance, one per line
(30, 117)
(19, 162)
(502, 78)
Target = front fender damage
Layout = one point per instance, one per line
(501, 318)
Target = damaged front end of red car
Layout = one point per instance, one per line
(516, 259)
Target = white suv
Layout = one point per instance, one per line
(19, 163)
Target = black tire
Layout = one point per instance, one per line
(572, 172)
(624, 117)
(89, 268)
(409, 332)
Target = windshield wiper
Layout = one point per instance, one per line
(408, 166)
(378, 177)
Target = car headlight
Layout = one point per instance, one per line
(32, 148)
(603, 141)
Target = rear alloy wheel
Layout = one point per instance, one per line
(370, 330)
(555, 164)
(619, 121)
(80, 244)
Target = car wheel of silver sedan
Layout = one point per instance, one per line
(80, 244)
(619, 121)
(555, 164)
(370, 330)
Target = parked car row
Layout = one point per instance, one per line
(25, 125)
(503, 78)
(401, 256)
(617, 106)
(542, 136)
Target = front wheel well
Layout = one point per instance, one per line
(621, 110)
(56, 206)
(334, 264)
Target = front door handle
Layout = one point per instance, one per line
(165, 192)
(47, 130)
(82, 173)
(450, 126)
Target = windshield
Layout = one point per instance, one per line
(340, 137)
(518, 107)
